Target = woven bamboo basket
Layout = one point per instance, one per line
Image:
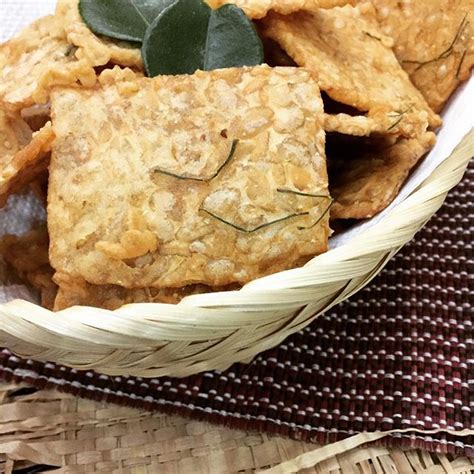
(213, 331)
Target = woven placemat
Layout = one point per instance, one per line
(41, 430)
(395, 356)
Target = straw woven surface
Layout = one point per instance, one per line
(75, 435)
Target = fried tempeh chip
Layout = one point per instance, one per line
(257, 9)
(74, 292)
(15, 134)
(35, 60)
(434, 42)
(365, 184)
(23, 155)
(28, 256)
(214, 178)
(97, 50)
(354, 65)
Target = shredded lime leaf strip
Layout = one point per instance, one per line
(370, 35)
(188, 35)
(447, 52)
(400, 116)
(299, 193)
(321, 217)
(125, 20)
(255, 229)
(461, 63)
(194, 178)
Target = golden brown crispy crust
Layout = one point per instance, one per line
(434, 42)
(116, 213)
(35, 60)
(75, 292)
(354, 65)
(366, 184)
(28, 256)
(257, 9)
(96, 50)
(363, 126)
(25, 165)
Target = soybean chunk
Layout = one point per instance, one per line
(214, 178)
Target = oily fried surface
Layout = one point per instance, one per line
(19, 169)
(150, 188)
(75, 292)
(27, 255)
(354, 64)
(434, 42)
(35, 60)
(365, 178)
(97, 50)
(256, 9)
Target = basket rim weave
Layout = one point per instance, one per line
(212, 331)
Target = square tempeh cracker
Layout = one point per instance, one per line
(366, 184)
(434, 42)
(21, 160)
(97, 50)
(355, 65)
(257, 9)
(39, 57)
(214, 178)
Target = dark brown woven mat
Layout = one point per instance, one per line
(395, 356)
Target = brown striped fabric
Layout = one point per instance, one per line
(399, 354)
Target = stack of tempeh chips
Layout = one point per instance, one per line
(160, 188)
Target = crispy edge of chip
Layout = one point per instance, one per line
(409, 125)
(368, 185)
(96, 50)
(257, 9)
(78, 292)
(27, 256)
(26, 164)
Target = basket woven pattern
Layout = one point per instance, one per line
(207, 332)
